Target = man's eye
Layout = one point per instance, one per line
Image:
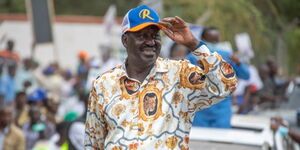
(156, 36)
(140, 36)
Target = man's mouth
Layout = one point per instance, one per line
(149, 51)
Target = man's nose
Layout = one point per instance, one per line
(150, 41)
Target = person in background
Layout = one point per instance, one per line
(59, 140)
(178, 51)
(220, 114)
(52, 104)
(8, 65)
(53, 79)
(276, 77)
(8, 83)
(75, 131)
(8, 54)
(99, 66)
(83, 66)
(67, 84)
(11, 137)
(278, 125)
(74, 104)
(21, 109)
(38, 97)
(36, 128)
(25, 79)
(273, 90)
(246, 97)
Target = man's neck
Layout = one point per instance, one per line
(137, 71)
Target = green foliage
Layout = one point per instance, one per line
(92, 7)
(231, 17)
(293, 38)
(288, 9)
(187, 9)
(73, 7)
(12, 6)
(265, 20)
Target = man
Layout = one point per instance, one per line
(11, 137)
(98, 66)
(21, 109)
(25, 79)
(218, 116)
(178, 51)
(8, 83)
(278, 125)
(8, 54)
(75, 131)
(36, 127)
(117, 120)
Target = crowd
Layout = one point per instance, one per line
(44, 107)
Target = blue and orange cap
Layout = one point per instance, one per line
(138, 18)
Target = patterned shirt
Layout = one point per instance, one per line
(124, 114)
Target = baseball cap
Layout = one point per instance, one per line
(37, 95)
(138, 18)
(83, 54)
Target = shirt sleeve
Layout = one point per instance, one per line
(95, 127)
(242, 70)
(210, 82)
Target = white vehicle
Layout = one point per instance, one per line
(247, 133)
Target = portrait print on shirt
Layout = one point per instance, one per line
(150, 104)
(226, 70)
(196, 78)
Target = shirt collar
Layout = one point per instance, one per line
(160, 66)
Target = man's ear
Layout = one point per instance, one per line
(124, 40)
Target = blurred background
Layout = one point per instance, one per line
(51, 50)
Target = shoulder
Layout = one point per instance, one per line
(108, 79)
(110, 74)
(169, 65)
(17, 132)
(224, 53)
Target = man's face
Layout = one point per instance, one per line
(34, 115)
(10, 45)
(150, 103)
(21, 100)
(143, 47)
(212, 36)
(5, 116)
(179, 52)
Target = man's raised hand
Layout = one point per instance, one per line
(178, 30)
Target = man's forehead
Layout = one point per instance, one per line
(151, 28)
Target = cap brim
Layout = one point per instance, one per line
(142, 26)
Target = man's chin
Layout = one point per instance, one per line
(149, 60)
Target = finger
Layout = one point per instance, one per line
(168, 33)
(168, 19)
(166, 24)
(180, 20)
(171, 20)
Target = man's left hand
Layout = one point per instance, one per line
(234, 58)
(178, 30)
